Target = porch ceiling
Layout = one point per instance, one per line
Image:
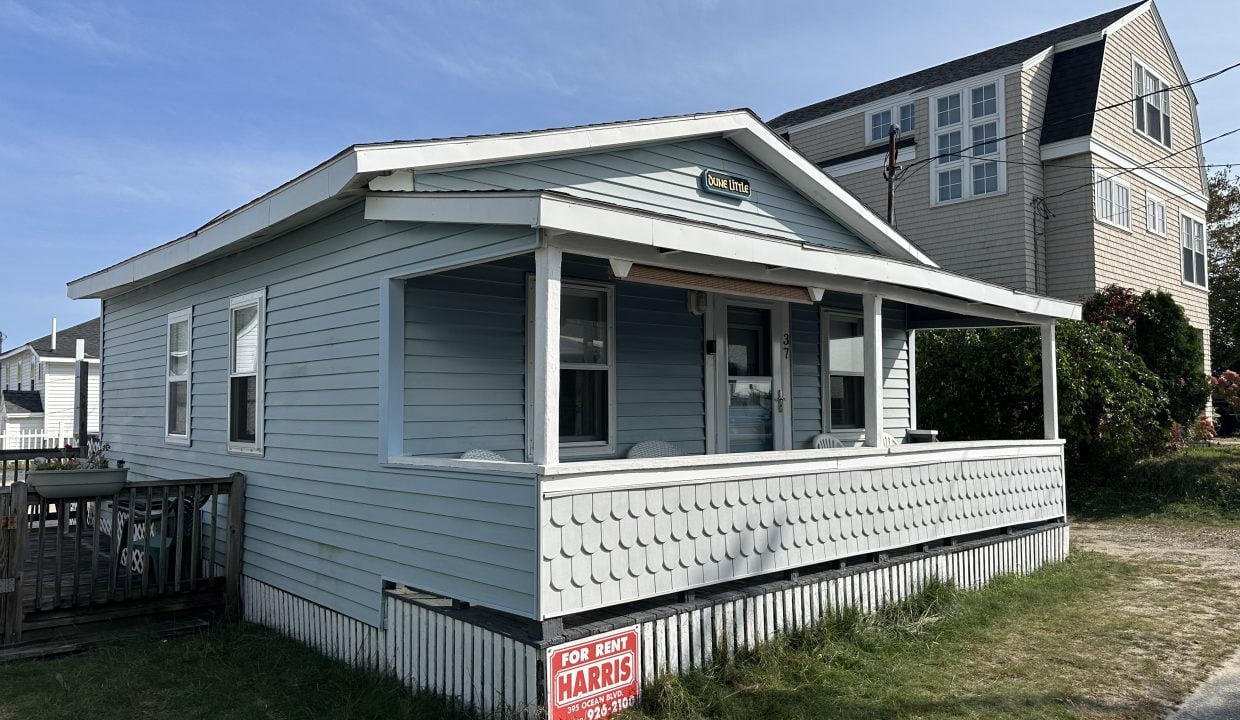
(602, 230)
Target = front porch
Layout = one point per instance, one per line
(693, 414)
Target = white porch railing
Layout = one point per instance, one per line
(617, 531)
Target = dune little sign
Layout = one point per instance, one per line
(724, 184)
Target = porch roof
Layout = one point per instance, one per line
(626, 235)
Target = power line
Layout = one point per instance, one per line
(1145, 165)
(921, 163)
(1095, 167)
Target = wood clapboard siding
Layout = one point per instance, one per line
(466, 345)
(804, 326)
(323, 520)
(665, 179)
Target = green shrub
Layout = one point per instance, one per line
(987, 385)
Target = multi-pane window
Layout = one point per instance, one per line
(950, 186)
(845, 354)
(245, 372)
(1152, 112)
(907, 120)
(949, 147)
(176, 397)
(1112, 202)
(984, 101)
(586, 365)
(949, 110)
(1155, 215)
(967, 143)
(880, 121)
(1193, 248)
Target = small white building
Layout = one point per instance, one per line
(38, 382)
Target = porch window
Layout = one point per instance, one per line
(587, 377)
(844, 355)
(176, 428)
(245, 372)
(1193, 245)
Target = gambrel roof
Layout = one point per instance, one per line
(997, 58)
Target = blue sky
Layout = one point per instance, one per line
(124, 125)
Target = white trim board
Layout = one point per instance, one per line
(340, 179)
(1082, 145)
(647, 238)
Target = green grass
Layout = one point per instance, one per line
(1200, 486)
(942, 654)
(226, 672)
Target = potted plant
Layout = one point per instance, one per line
(78, 477)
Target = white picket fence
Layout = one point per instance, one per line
(22, 438)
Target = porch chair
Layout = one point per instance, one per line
(653, 449)
(480, 454)
(889, 440)
(822, 441)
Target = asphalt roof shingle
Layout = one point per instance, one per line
(22, 401)
(949, 72)
(66, 341)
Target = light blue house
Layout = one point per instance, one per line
(686, 352)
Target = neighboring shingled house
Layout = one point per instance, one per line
(1015, 179)
(37, 381)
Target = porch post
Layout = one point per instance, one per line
(872, 322)
(1050, 390)
(544, 425)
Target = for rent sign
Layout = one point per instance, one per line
(594, 678)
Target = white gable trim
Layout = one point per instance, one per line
(718, 246)
(346, 175)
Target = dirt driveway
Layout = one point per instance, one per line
(1186, 578)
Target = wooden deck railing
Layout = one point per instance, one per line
(155, 538)
(15, 463)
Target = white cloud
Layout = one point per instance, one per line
(63, 23)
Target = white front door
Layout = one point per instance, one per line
(751, 365)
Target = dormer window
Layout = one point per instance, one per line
(878, 122)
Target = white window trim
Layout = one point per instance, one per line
(1099, 178)
(824, 333)
(259, 299)
(1152, 199)
(894, 109)
(1139, 106)
(187, 316)
(968, 157)
(592, 448)
(1205, 250)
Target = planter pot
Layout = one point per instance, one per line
(77, 483)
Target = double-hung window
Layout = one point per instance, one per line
(1155, 215)
(587, 369)
(967, 146)
(844, 353)
(1193, 250)
(878, 122)
(176, 395)
(1112, 201)
(1152, 109)
(246, 323)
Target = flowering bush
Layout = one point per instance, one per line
(1198, 433)
(96, 459)
(1227, 384)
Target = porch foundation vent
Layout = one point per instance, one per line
(714, 283)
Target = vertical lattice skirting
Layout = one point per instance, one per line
(494, 672)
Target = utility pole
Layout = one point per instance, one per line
(889, 173)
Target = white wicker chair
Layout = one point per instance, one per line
(823, 441)
(653, 449)
(890, 440)
(479, 454)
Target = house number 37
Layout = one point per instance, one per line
(786, 343)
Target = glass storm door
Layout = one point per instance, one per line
(750, 391)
